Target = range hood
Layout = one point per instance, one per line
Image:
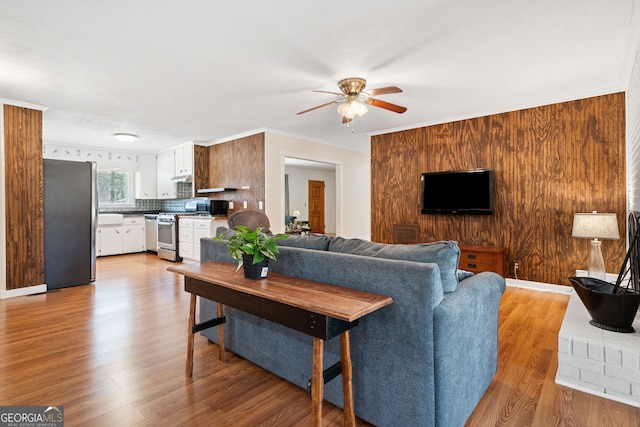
(215, 190)
(182, 178)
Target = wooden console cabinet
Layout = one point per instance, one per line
(482, 258)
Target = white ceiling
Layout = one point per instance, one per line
(207, 70)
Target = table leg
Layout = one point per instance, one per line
(347, 383)
(192, 319)
(317, 382)
(221, 348)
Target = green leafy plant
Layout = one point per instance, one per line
(252, 242)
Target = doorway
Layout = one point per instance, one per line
(298, 174)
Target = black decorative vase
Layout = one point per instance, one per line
(254, 271)
(611, 311)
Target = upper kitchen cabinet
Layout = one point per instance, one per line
(177, 165)
(59, 152)
(164, 173)
(183, 158)
(109, 159)
(146, 177)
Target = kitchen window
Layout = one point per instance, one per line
(115, 188)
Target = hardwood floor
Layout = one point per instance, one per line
(113, 354)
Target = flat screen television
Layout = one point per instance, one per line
(467, 192)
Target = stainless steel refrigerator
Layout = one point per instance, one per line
(70, 221)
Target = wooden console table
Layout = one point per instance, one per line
(317, 309)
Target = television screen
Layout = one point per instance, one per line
(458, 192)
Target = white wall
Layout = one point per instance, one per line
(633, 138)
(299, 193)
(353, 181)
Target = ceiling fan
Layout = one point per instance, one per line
(354, 98)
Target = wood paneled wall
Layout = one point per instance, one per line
(235, 164)
(200, 168)
(549, 163)
(23, 197)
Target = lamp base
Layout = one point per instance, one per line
(596, 261)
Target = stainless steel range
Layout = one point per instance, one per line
(168, 236)
(168, 231)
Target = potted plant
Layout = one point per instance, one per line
(252, 249)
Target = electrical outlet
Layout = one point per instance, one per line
(516, 265)
(244, 204)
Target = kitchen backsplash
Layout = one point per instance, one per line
(156, 205)
(141, 206)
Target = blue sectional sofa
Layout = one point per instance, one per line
(425, 360)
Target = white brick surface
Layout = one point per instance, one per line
(594, 360)
(613, 356)
(581, 363)
(635, 390)
(631, 359)
(564, 345)
(568, 372)
(595, 352)
(579, 348)
(621, 373)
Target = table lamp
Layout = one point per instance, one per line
(596, 226)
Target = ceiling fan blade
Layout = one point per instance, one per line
(326, 91)
(386, 105)
(319, 106)
(384, 90)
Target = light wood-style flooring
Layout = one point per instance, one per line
(113, 353)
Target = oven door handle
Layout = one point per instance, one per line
(166, 222)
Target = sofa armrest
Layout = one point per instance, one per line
(466, 345)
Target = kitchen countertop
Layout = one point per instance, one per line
(130, 213)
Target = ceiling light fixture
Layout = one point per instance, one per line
(125, 137)
(351, 108)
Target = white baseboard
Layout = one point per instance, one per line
(548, 287)
(539, 286)
(38, 289)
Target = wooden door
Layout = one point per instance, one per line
(316, 206)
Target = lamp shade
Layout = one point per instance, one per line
(595, 226)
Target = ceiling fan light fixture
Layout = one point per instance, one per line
(125, 137)
(351, 109)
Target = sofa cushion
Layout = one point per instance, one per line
(227, 232)
(309, 241)
(445, 253)
(464, 274)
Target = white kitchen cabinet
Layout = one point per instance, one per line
(165, 171)
(183, 160)
(60, 152)
(191, 230)
(109, 240)
(116, 239)
(185, 238)
(133, 234)
(146, 176)
(101, 157)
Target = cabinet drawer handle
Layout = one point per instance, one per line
(471, 265)
(471, 256)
